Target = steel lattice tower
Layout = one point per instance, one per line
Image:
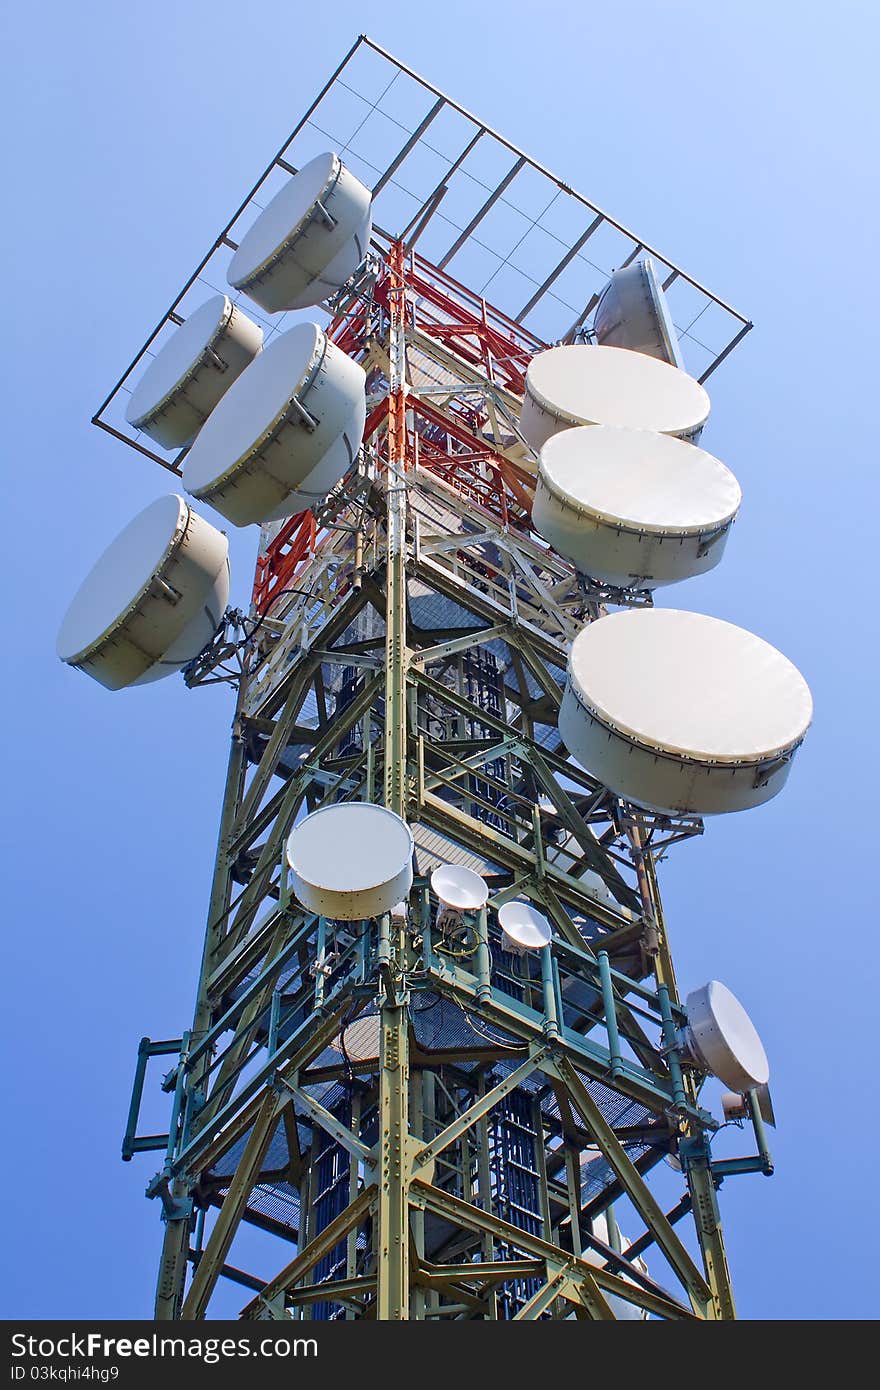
(430, 1126)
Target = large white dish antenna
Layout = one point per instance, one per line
(632, 507)
(284, 435)
(192, 371)
(682, 713)
(523, 928)
(459, 887)
(307, 241)
(632, 313)
(351, 860)
(152, 601)
(720, 1038)
(583, 385)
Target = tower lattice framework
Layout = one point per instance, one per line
(431, 1126)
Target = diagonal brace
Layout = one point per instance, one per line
(635, 1187)
(476, 1111)
(335, 1128)
(214, 1255)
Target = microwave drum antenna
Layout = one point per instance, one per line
(578, 384)
(351, 860)
(682, 713)
(307, 241)
(523, 928)
(459, 890)
(720, 1038)
(152, 601)
(634, 508)
(284, 435)
(193, 371)
(633, 313)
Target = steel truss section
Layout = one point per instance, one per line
(413, 652)
(431, 1126)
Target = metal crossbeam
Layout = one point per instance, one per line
(483, 212)
(561, 265)
(466, 1215)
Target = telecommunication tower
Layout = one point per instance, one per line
(438, 1047)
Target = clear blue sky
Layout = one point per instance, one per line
(738, 137)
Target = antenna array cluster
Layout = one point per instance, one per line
(595, 437)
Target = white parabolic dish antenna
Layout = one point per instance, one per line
(523, 927)
(307, 241)
(682, 713)
(284, 435)
(633, 507)
(459, 887)
(351, 860)
(721, 1038)
(632, 313)
(152, 601)
(192, 371)
(583, 385)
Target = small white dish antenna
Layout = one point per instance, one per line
(351, 860)
(459, 890)
(634, 508)
(679, 712)
(459, 887)
(152, 601)
(734, 1105)
(720, 1038)
(523, 928)
(633, 313)
(192, 371)
(308, 240)
(578, 384)
(285, 433)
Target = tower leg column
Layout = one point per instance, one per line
(172, 1266)
(393, 1274)
(175, 1246)
(393, 1208)
(693, 1148)
(707, 1217)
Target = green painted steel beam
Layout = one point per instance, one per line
(352, 1216)
(466, 1215)
(246, 1175)
(504, 1012)
(636, 1189)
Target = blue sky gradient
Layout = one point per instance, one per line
(738, 139)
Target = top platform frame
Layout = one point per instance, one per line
(478, 207)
